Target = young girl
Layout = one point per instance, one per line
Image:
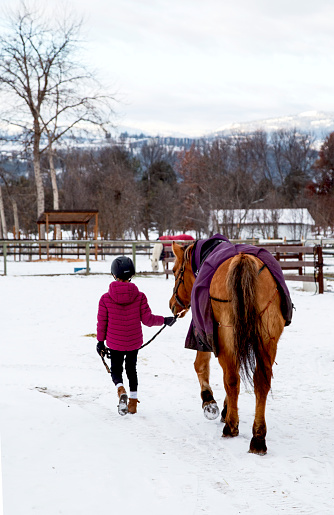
(121, 312)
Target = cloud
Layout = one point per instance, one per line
(203, 64)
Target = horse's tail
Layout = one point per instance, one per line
(246, 319)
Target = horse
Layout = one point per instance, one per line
(246, 307)
(156, 253)
(158, 249)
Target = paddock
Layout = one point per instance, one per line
(308, 263)
(62, 438)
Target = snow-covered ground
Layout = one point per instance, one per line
(65, 450)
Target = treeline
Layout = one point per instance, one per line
(169, 189)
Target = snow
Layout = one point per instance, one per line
(251, 216)
(319, 123)
(65, 449)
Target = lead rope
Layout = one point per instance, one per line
(163, 327)
(153, 337)
(105, 364)
(144, 345)
(108, 355)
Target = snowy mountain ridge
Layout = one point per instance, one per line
(319, 123)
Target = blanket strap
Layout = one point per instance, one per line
(218, 300)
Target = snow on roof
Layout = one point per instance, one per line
(262, 216)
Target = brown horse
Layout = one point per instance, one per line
(246, 307)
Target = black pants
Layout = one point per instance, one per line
(116, 368)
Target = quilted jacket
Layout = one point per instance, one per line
(121, 311)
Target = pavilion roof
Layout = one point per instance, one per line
(67, 216)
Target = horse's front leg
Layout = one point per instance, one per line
(202, 368)
(224, 411)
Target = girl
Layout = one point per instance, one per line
(121, 311)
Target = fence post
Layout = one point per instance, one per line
(300, 258)
(5, 259)
(320, 268)
(134, 254)
(87, 257)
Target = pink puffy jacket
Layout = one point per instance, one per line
(120, 314)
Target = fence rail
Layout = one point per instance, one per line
(295, 257)
(50, 249)
(299, 258)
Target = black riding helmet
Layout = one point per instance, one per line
(123, 268)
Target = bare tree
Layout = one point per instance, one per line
(321, 188)
(293, 156)
(39, 73)
(104, 179)
(3, 224)
(14, 206)
(68, 108)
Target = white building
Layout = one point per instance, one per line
(286, 224)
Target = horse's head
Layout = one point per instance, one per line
(184, 280)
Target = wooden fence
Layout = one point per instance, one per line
(303, 263)
(306, 262)
(76, 249)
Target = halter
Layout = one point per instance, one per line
(179, 279)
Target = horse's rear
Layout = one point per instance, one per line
(246, 306)
(157, 249)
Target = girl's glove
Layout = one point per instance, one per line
(169, 321)
(100, 348)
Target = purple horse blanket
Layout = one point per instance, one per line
(207, 256)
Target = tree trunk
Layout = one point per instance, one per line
(53, 179)
(38, 176)
(55, 192)
(2, 217)
(16, 218)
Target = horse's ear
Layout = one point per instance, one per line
(177, 250)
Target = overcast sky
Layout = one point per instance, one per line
(193, 66)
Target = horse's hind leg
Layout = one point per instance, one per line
(232, 387)
(261, 389)
(262, 382)
(202, 368)
(274, 324)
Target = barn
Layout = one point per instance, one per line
(286, 224)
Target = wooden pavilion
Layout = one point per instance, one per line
(68, 217)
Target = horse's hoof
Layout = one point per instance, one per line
(258, 446)
(228, 432)
(211, 410)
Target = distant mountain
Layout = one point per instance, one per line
(319, 123)
(122, 130)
